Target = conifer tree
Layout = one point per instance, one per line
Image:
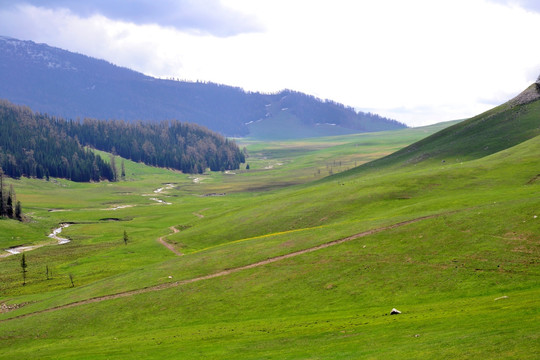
(10, 210)
(9, 207)
(113, 166)
(18, 211)
(123, 171)
(24, 265)
(2, 203)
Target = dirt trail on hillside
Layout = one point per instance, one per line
(227, 271)
(198, 214)
(170, 246)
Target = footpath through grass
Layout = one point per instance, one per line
(466, 281)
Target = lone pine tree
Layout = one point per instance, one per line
(24, 265)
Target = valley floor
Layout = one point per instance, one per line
(282, 262)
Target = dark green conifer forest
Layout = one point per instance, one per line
(40, 146)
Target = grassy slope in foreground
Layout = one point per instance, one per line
(97, 252)
(443, 273)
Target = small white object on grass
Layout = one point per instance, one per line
(395, 311)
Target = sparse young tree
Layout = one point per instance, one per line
(113, 166)
(3, 210)
(123, 170)
(10, 211)
(71, 280)
(24, 265)
(12, 193)
(126, 238)
(48, 273)
(18, 211)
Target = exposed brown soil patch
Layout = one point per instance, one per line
(4, 308)
(198, 214)
(170, 246)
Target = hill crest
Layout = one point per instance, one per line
(61, 83)
(500, 128)
(532, 93)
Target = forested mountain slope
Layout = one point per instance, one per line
(32, 145)
(61, 83)
(36, 145)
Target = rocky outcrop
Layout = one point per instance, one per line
(532, 93)
(4, 308)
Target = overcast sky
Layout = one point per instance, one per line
(417, 61)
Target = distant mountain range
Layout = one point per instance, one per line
(65, 84)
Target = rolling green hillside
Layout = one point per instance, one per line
(495, 130)
(274, 265)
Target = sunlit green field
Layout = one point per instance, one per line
(464, 272)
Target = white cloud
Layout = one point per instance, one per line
(198, 17)
(419, 61)
(529, 5)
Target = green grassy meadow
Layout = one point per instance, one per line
(464, 274)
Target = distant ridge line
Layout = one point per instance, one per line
(65, 84)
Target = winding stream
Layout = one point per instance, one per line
(53, 235)
(60, 240)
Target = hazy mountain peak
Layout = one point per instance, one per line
(61, 83)
(39, 54)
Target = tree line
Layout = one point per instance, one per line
(171, 144)
(33, 145)
(10, 207)
(40, 146)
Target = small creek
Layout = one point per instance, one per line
(53, 235)
(159, 191)
(57, 231)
